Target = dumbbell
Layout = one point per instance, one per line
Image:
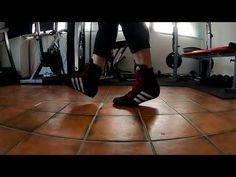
(226, 81)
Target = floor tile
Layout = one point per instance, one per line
(9, 138)
(8, 113)
(196, 146)
(110, 109)
(43, 145)
(151, 108)
(222, 105)
(29, 120)
(112, 148)
(187, 107)
(169, 127)
(65, 125)
(210, 123)
(226, 142)
(117, 128)
(50, 106)
(19, 102)
(228, 115)
(80, 108)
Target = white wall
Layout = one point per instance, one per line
(223, 33)
(20, 53)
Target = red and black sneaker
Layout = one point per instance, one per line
(87, 81)
(145, 88)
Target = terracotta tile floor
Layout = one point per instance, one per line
(59, 120)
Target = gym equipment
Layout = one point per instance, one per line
(111, 69)
(219, 81)
(203, 64)
(76, 57)
(51, 58)
(170, 60)
(8, 75)
(193, 73)
(190, 49)
(227, 81)
(175, 47)
(204, 68)
(174, 59)
(75, 54)
(225, 51)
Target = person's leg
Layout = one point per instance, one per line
(88, 79)
(146, 86)
(104, 42)
(137, 37)
(143, 57)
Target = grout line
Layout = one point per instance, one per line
(105, 95)
(89, 128)
(179, 138)
(116, 141)
(203, 133)
(146, 132)
(21, 141)
(14, 129)
(200, 105)
(31, 133)
(134, 141)
(197, 128)
(55, 113)
(92, 122)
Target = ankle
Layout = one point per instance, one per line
(144, 70)
(99, 61)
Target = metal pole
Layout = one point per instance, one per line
(175, 50)
(90, 40)
(234, 81)
(77, 31)
(9, 50)
(39, 37)
(233, 89)
(210, 42)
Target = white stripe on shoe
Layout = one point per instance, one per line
(141, 97)
(77, 84)
(146, 95)
(81, 84)
(137, 100)
(73, 83)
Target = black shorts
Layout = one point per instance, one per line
(136, 35)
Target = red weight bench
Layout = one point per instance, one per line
(225, 51)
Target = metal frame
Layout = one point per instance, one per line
(8, 47)
(209, 33)
(175, 47)
(34, 77)
(208, 57)
(75, 47)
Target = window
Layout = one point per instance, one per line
(88, 26)
(190, 29)
(61, 26)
